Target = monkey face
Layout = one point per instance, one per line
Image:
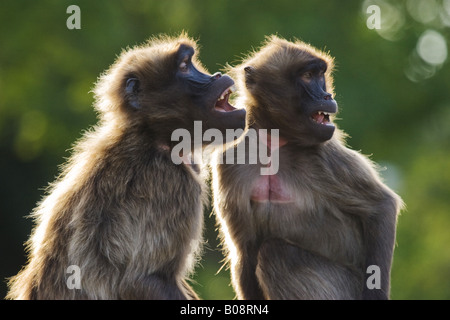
(209, 94)
(315, 104)
(289, 87)
(166, 86)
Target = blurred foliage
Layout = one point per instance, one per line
(392, 88)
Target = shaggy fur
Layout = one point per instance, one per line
(341, 217)
(121, 210)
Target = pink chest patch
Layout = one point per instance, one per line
(270, 188)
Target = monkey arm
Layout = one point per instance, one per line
(288, 271)
(378, 207)
(156, 287)
(241, 244)
(379, 235)
(375, 205)
(242, 250)
(234, 213)
(244, 273)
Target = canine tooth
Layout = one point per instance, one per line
(232, 88)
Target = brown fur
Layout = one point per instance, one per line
(122, 210)
(342, 217)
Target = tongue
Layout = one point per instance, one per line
(224, 106)
(318, 117)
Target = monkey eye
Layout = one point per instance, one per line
(132, 85)
(307, 76)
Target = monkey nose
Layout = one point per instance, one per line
(216, 75)
(328, 97)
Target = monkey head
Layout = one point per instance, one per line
(288, 86)
(164, 87)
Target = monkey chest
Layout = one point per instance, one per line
(298, 214)
(270, 188)
(313, 227)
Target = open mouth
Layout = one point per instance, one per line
(322, 118)
(222, 104)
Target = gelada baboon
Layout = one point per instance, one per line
(122, 212)
(310, 230)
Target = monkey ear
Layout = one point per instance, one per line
(132, 90)
(249, 73)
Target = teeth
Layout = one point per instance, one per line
(322, 117)
(229, 90)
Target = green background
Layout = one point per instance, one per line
(393, 104)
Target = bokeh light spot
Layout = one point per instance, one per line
(432, 47)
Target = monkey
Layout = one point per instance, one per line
(311, 227)
(121, 210)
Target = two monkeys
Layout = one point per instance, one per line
(131, 218)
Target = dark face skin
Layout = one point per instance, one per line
(316, 104)
(198, 96)
(210, 93)
(301, 92)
